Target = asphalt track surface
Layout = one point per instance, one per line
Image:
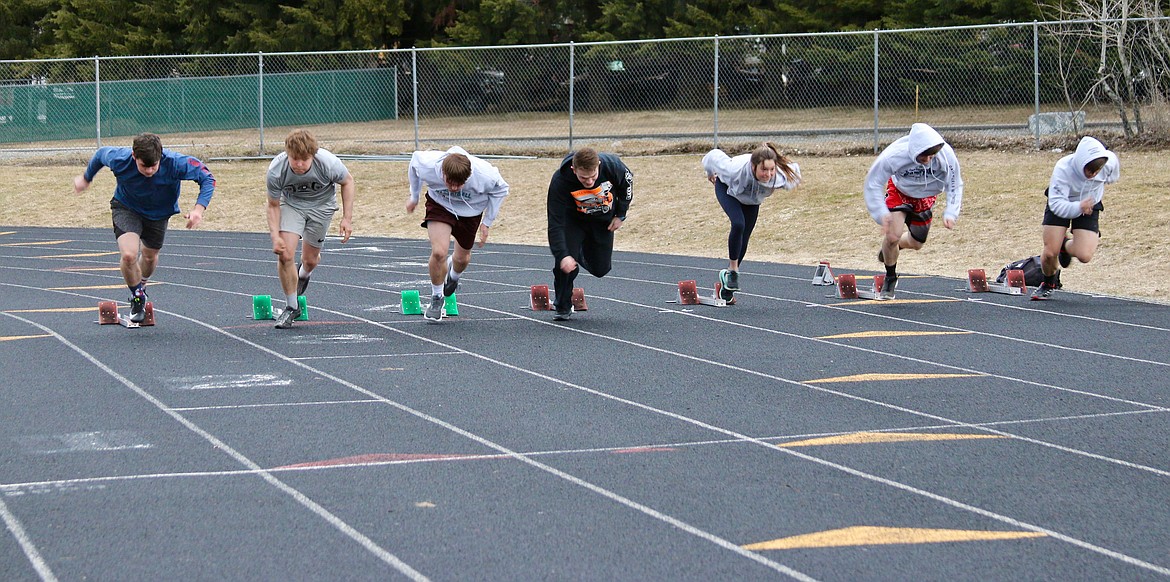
(940, 436)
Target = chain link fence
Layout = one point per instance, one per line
(843, 90)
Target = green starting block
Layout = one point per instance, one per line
(412, 304)
(262, 308)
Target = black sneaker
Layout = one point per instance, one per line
(888, 286)
(563, 314)
(732, 281)
(1064, 258)
(138, 308)
(286, 317)
(434, 311)
(881, 256)
(1043, 292)
(449, 285)
(302, 282)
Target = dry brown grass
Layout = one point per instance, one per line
(675, 212)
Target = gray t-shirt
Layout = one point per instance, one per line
(313, 190)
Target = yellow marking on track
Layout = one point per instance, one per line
(7, 233)
(862, 438)
(898, 301)
(887, 377)
(9, 338)
(80, 269)
(891, 333)
(94, 287)
(78, 255)
(52, 310)
(875, 536)
(37, 243)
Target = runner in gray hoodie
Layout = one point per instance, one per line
(1074, 201)
(900, 192)
(464, 194)
(741, 185)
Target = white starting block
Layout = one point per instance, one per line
(977, 283)
(688, 294)
(823, 275)
(847, 287)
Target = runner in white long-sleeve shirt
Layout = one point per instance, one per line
(464, 194)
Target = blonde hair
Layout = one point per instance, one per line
(768, 151)
(300, 144)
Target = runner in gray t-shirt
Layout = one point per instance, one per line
(301, 201)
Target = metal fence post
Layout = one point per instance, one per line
(716, 92)
(572, 81)
(1036, 77)
(97, 92)
(414, 90)
(876, 32)
(260, 98)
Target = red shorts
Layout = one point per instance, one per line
(918, 210)
(463, 228)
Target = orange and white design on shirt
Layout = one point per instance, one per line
(595, 200)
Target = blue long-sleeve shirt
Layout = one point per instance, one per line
(156, 197)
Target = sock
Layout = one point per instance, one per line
(452, 274)
(891, 270)
(139, 290)
(302, 273)
(436, 290)
(292, 301)
(1050, 280)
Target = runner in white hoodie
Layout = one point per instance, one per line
(464, 194)
(741, 185)
(1074, 201)
(900, 192)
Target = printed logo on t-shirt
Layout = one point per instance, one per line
(595, 200)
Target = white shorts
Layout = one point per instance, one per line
(310, 225)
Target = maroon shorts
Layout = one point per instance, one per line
(918, 210)
(463, 228)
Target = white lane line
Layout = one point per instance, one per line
(26, 544)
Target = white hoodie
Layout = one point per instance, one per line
(741, 180)
(483, 193)
(913, 179)
(1068, 186)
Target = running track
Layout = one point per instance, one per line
(940, 436)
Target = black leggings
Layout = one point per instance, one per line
(591, 245)
(743, 221)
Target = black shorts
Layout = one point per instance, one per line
(151, 232)
(1082, 222)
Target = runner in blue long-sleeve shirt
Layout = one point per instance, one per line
(146, 196)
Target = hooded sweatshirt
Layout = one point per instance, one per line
(913, 179)
(483, 193)
(740, 178)
(1068, 186)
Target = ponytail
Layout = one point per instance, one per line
(769, 151)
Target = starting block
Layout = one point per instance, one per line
(108, 314)
(823, 275)
(977, 283)
(847, 287)
(262, 308)
(539, 299)
(411, 304)
(688, 294)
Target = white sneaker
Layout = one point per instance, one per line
(435, 312)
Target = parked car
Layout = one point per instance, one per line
(472, 91)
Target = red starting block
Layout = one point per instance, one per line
(108, 314)
(847, 287)
(540, 299)
(977, 283)
(688, 294)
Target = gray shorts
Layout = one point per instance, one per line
(150, 232)
(310, 225)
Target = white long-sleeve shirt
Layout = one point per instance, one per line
(740, 178)
(483, 193)
(1069, 186)
(911, 178)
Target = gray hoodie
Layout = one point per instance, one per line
(741, 180)
(913, 179)
(1068, 186)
